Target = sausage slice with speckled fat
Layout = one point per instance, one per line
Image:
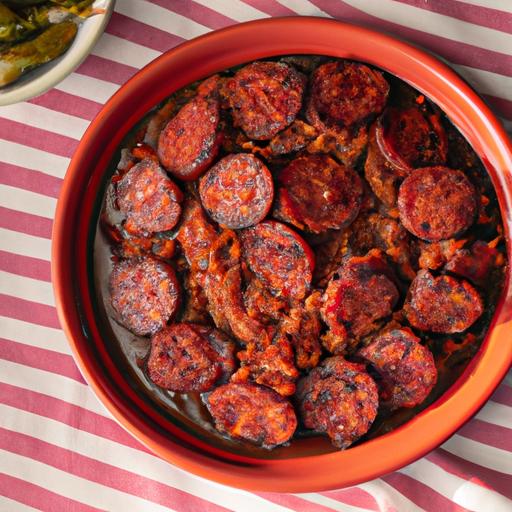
(279, 257)
(338, 398)
(436, 203)
(191, 140)
(406, 366)
(238, 191)
(149, 199)
(252, 413)
(316, 193)
(264, 98)
(145, 293)
(442, 304)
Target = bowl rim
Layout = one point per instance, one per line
(41, 83)
(235, 45)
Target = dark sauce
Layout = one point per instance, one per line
(128, 351)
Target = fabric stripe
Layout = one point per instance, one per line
(24, 222)
(455, 51)
(38, 497)
(35, 335)
(45, 119)
(425, 497)
(27, 202)
(29, 179)
(355, 495)
(42, 359)
(99, 451)
(25, 245)
(28, 311)
(489, 434)
(471, 471)
(478, 15)
(111, 477)
(271, 7)
(32, 158)
(235, 9)
(106, 70)
(24, 265)
(26, 288)
(503, 395)
(497, 414)
(66, 103)
(88, 87)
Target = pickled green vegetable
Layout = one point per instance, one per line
(54, 41)
(12, 27)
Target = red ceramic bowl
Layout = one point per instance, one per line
(71, 266)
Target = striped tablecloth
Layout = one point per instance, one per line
(60, 450)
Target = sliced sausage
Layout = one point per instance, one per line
(252, 413)
(279, 257)
(316, 193)
(411, 138)
(358, 295)
(347, 93)
(442, 304)
(262, 305)
(271, 365)
(264, 98)
(436, 203)
(190, 141)
(145, 293)
(406, 366)
(238, 191)
(183, 359)
(338, 398)
(149, 199)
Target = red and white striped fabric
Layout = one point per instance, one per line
(59, 449)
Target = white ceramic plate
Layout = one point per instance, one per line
(45, 77)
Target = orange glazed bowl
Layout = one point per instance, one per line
(288, 470)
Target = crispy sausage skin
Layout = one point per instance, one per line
(442, 304)
(252, 413)
(238, 191)
(149, 199)
(145, 293)
(338, 398)
(436, 203)
(406, 366)
(316, 193)
(264, 98)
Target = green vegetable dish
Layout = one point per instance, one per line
(34, 32)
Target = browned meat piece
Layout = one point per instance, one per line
(190, 141)
(474, 263)
(262, 305)
(436, 203)
(264, 98)
(223, 288)
(316, 194)
(196, 236)
(407, 368)
(345, 93)
(442, 304)
(252, 413)
(238, 191)
(149, 199)
(297, 136)
(358, 295)
(338, 398)
(411, 138)
(279, 257)
(145, 293)
(269, 365)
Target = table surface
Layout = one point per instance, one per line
(59, 449)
